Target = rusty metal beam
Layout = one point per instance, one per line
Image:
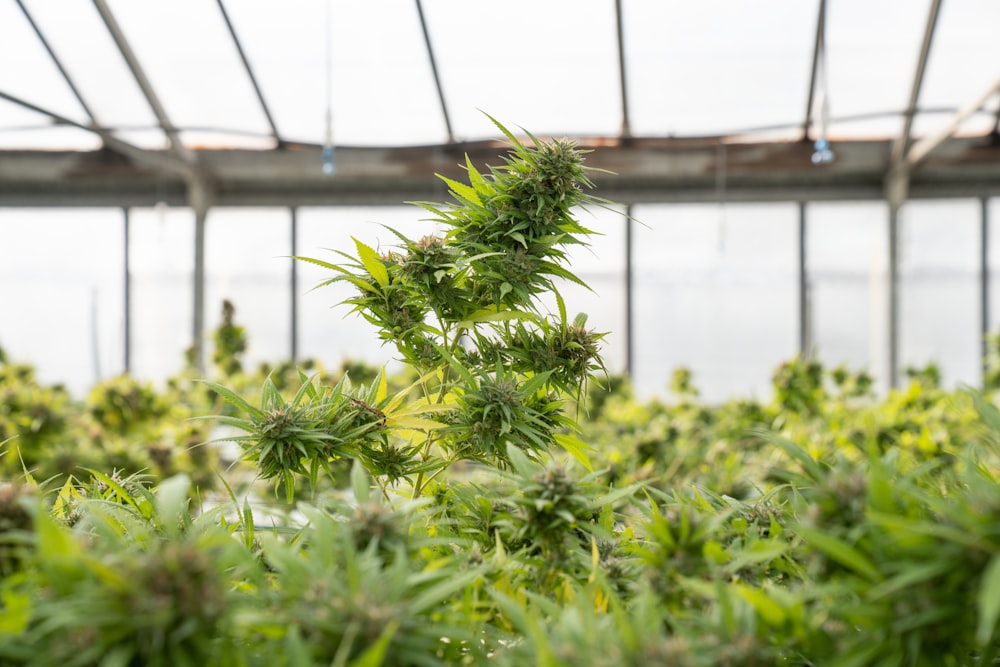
(644, 170)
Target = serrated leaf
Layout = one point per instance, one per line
(372, 262)
(413, 423)
(488, 315)
(233, 398)
(462, 190)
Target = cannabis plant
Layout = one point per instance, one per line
(464, 309)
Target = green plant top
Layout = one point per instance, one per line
(465, 311)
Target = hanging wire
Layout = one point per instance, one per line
(822, 153)
(329, 167)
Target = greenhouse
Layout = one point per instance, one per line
(570, 333)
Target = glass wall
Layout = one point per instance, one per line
(161, 266)
(715, 288)
(716, 292)
(62, 293)
(939, 289)
(847, 256)
(247, 262)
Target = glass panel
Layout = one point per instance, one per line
(717, 67)
(247, 263)
(715, 291)
(202, 84)
(85, 48)
(939, 288)
(329, 332)
(872, 62)
(62, 290)
(549, 67)
(846, 257)
(383, 91)
(161, 259)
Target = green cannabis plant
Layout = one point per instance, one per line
(465, 310)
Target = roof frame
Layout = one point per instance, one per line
(626, 128)
(435, 73)
(818, 44)
(139, 74)
(253, 79)
(62, 70)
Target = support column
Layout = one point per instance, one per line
(629, 337)
(893, 279)
(984, 284)
(198, 319)
(805, 342)
(294, 283)
(127, 324)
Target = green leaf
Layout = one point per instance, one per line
(15, 613)
(360, 484)
(989, 601)
(234, 399)
(373, 263)
(769, 610)
(462, 190)
(375, 654)
(575, 448)
(171, 502)
(841, 552)
(490, 315)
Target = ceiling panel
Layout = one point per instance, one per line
(549, 67)
(716, 67)
(873, 48)
(186, 52)
(83, 45)
(964, 61)
(382, 90)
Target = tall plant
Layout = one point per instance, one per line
(466, 310)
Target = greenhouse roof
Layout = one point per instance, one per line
(117, 102)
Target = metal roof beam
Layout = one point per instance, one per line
(919, 150)
(817, 48)
(249, 70)
(642, 170)
(155, 159)
(903, 142)
(626, 130)
(434, 71)
(176, 145)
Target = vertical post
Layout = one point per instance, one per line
(294, 283)
(984, 285)
(805, 344)
(893, 280)
(629, 337)
(200, 214)
(127, 333)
